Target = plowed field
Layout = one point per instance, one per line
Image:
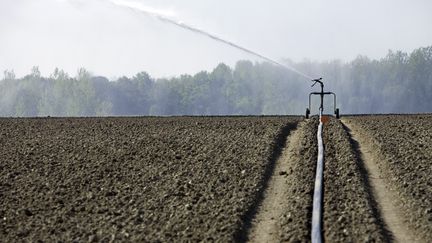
(403, 147)
(133, 179)
(211, 178)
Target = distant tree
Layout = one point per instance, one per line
(201, 94)
(420, 69)
(84, 96)
(9, 75)
(246, 89)
(143, 88)
(35, 72)
(26, 103)
(219, 91)
(399, 82)
(103, 95)
(167, 98)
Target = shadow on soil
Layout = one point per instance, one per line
(242, 234)
(366, 184)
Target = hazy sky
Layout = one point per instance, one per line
(114, 41)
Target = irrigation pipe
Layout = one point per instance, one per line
(317, 197)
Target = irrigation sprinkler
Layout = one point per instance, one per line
(321, 94)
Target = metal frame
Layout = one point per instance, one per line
(322, 98)
(322, 94)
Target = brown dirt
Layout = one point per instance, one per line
(403, 145)
(265, 226)
(350, 213)
(192, 178)
(134, 179)
(295, 224)
(390, 213)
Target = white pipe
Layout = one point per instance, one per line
(317, 198)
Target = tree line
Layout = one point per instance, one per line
(397, 83)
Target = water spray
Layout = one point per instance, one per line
(134, 6)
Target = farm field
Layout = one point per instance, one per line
(402, 145)
(349, 213)
(133, 179)
(209, 178)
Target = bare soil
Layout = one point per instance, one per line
(134, 179)
(266, 226)
(403, 143)
(350, 212)
(209, 178)
(295, 223)
(393, 218)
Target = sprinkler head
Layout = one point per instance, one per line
(317, 80)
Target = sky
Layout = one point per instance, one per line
(113, 41)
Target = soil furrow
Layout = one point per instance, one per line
(384, 198)
(285, 212)
(350, 213)
(265, 227)
(402, 143)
